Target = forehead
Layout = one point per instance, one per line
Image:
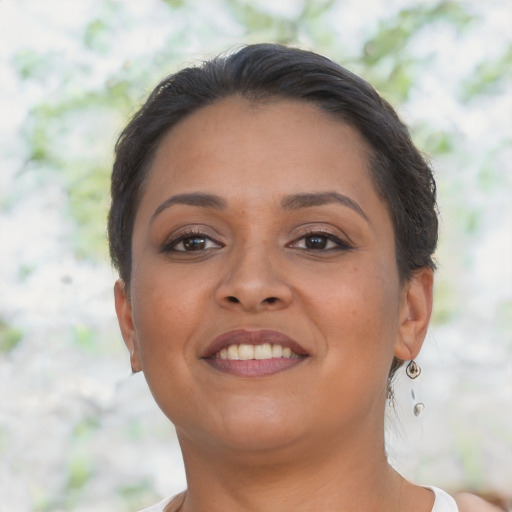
(237, 140)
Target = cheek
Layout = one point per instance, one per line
(353, 315)
(357, 311)
(164, 319)
(165, 311)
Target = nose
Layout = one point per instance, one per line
(253, 283)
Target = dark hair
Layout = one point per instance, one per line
(262, 72)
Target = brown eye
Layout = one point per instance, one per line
(320, 242)
(191, 243)
(316, 242)
(196, 243)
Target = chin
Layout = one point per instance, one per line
(245, 430)
(260, 436)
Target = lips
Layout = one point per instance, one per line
(253, 353)
(259, 337)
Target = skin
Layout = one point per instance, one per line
(310, 437)
(468, 502)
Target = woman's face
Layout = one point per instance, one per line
(265, 305)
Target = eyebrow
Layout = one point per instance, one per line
(200, 199)
(291, 202)
(308, 200)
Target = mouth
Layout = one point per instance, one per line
(254, 353)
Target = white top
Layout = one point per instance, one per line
(159, 507)
(443, 502)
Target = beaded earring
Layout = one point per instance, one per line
(413, 371)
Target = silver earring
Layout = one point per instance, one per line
(413, 371)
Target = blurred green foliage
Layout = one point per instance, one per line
(86, 428)
(138, 494)
(80, 470)
(391, 66)
(446, 303)
(10, 336)
(490, 77)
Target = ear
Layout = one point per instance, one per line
(415, 311)
(125, 319)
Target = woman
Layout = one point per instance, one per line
(273, 226)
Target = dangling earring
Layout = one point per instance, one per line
(413, 371)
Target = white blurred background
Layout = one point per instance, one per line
(77, 432)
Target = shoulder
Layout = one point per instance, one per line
(468, 502)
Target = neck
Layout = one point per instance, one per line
(350, 475)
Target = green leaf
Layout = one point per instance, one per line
(96, 33)
(490, 77)
(175, 4)
(32, 65)
(10, 336)
(85, 337)
(79, 471)
(85, 429)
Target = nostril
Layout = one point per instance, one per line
(233, 300)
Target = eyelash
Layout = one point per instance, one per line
(340, 245)
(170, 246)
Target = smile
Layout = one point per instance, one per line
(246, 353)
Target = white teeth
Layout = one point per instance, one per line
(277, 351)
(263, 351)
(232, 352)
(245, 352)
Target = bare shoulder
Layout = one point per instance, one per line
(468, 502)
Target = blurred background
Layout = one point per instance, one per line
(77, 432)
